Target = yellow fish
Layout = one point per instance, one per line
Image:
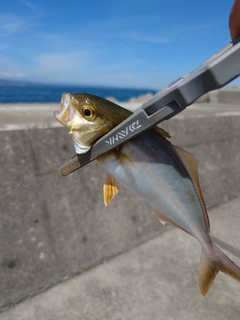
(153, 169)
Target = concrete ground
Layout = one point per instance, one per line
(154, 280)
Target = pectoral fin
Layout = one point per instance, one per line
(110, 189)
(191, 165)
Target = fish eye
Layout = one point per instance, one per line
(88, 112)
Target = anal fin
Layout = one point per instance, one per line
(164, 220)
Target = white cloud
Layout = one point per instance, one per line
(63, 67)
(28, 5)
(62, 61)
(11, 24)
(174, 32)
(4, 46)
(80, 68)
(36, 10)
(11, 69)
(50, 36)
(11, 76)
(145, 38)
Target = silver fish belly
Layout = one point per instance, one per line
(161, 178)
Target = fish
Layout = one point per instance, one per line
(152, 168)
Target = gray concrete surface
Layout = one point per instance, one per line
(154, 280)
(35, 115)
(53, 228)
(27, 116)
(227, 95)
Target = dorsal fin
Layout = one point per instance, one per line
(110, 189)
(191, 166)
(163, 132)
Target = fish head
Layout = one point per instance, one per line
(88, 117)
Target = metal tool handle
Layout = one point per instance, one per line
(221, 68)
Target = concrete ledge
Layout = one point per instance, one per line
(230, 95)
(52, 228)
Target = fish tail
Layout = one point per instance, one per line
(211, 263)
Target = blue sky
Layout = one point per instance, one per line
(134, 43)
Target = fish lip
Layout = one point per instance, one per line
(66, 112)
(57, 115)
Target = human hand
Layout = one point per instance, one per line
(234, 20)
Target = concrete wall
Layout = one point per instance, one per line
(52, 228)
(230, 95)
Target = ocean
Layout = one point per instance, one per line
(17, 92)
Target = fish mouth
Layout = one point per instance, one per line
(66, 112)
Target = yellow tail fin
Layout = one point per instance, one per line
(211, 263)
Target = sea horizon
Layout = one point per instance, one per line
(17, 91)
